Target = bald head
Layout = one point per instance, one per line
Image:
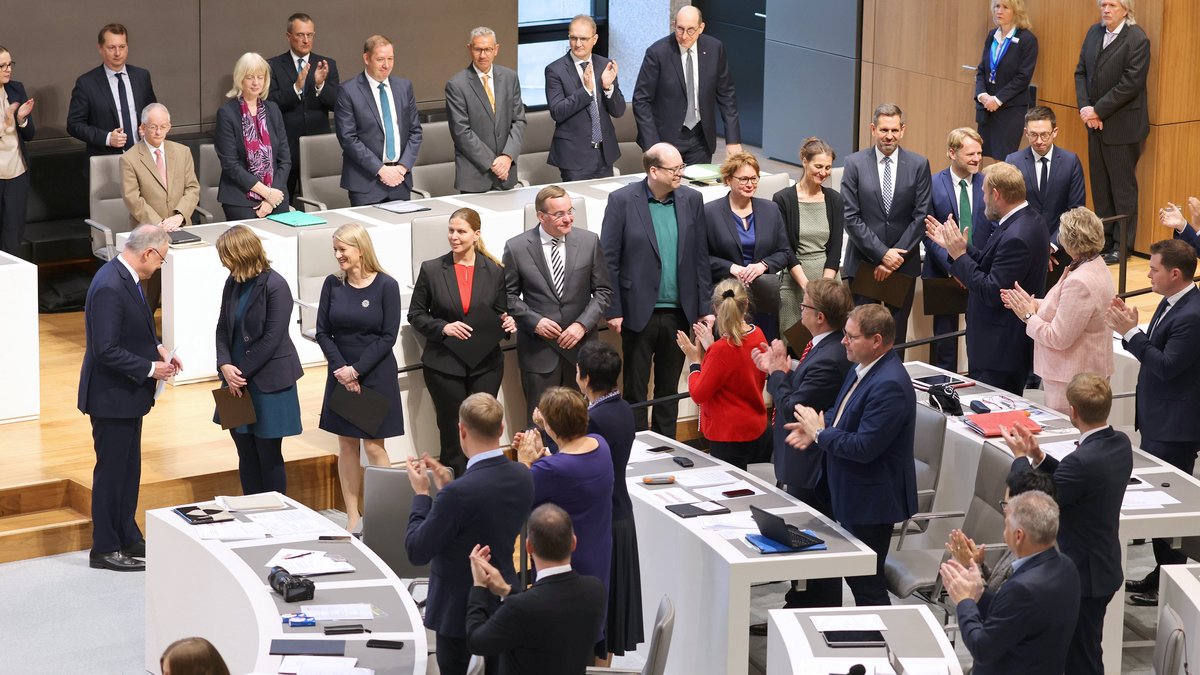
(689, 24)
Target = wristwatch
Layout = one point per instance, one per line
(1027, 316)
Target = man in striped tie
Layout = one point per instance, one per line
(558, 289)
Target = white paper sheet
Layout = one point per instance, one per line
(704, 477)
(357, 611)
(827, 622)
(674, 496)
(608, 187)
(715, 492)
(322, 665)
(307, 563)
(1058, 449)
(233, 530)
(295, 521)
(1146, 499)
(732, 525)
(255, 502)
(640, 452)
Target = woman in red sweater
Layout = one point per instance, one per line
(724, 381)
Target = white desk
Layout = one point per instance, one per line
(794, 647)
(1179, 588)
(19, 337)
(218, 590)
(708, 577)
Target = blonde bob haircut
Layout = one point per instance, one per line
(250, 63)
(241, 252)
(1081, 233)
(1020, 12)
(353, 234)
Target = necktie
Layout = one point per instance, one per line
(556, 266)
(126, 118)
(1158, 315)
(487, 89)
(689, 84)
(594, 108)
(1043, 176)
(161, 166)
(1108, 38)
(807, 349)
(389, 134)
(887, 185)
(846, 399)
(300, 67)
(141, 292)
(964, 206)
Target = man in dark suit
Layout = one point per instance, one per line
(378, 129)
(1026, 626)
(486, 506)
(866, 438)
(653, 239)
(1091, 483)
(998, 351)
(549, 629)
(683, 80)
(16, 111)
(811, 381)
(121, 363)
(886, 191)
(956, 190)
(585, 142)
(1168, 386)
(305, 87)
(1110, 88)
(558, 290)
(107, 100)
(487, 118)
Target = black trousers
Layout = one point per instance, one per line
(693, 146)
(1113, 173)
(448, 392)
(115, 482)
(871, 589)
(401, 191)
(1001, 131)
(1085, 655)
(654, 345)
(260, 463)
(1012, 381)
(737, 453)
(14, 197)
(944, 353)
(536, 384)
(899, 314)
(234, 212)
(817, 592)
(453, 657)
(598, 168)
(1182, 456)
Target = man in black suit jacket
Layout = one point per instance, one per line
(683, 79)
(653, 239)
(585, 142)
(1168, 386)
(486, 506)
(1091, 483)
(121, 363)
(1024, 627)
(998, 351)
(107, 101)
(305, 86)
(1110, 88)
(549, 629)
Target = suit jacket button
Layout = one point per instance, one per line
(245, 338)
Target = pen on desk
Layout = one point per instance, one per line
(296, 555)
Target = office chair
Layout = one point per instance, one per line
(107, 215)
(208, 172)
(1170, 644)
(321, 173)
(660, 644)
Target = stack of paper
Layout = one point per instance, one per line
(827, 622)
(358, 611)
(1138, 500)
(322, 665)
(674, 496)
(292, 522)
(256, 502)
(704, 477)
(308, 563)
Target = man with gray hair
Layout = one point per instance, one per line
(487, 118)
(122, 362)
(1026, 626)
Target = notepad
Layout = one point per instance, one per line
(234, 411)
(297, 219)
(401, 206)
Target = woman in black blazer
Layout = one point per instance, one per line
(251, 143)
(255, 356)
(460, 305)
(814, 218)
(746, 240)
(1002, 78)
(16, 128)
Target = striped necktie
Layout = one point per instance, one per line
(556, 265)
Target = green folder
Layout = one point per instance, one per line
(296, 219)
(705, 173)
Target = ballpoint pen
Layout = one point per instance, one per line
(296, 555)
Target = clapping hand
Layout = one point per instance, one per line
(416, 475)
(608, 76)
(1020, 302)
(947, 235)
(529, 447)
(484, 574)
(770, 358)
(321, 73)
(1172, 217)
(1121, 317)
(803, 432)
(1022, 443)
(693, 351)
(441, 473)
(963, 548)
(704, 333)
(962, 581)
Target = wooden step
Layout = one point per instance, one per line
(31, 497)
(45, 532)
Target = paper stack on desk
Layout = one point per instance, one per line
(308, 563)
(1139, 500)
(292, 522)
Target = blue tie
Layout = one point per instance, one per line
(126, 119)
(389, 135)
(593, 109)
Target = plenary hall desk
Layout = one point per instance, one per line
(218, 590)
(19, 336)
(707, 575)
(1179, 589)
(915, 637)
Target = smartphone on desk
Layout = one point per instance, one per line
(661, 448)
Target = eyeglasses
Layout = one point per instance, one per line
(1003, 504)
(578, 38)
(674, 170)
(483, 51)
(851, 338)
(561, 214)
(7, 66)
(687, 31)
(1044, 136)
(804, 306)
(746, 180)
(303, 36)
(160, 256)
(155, 128)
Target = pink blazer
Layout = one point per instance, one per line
(1068, 331)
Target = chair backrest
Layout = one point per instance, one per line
(928, 441)
(630, 161)
(577, 203)
(1170, 644)
(985, 518)
(387, 497)
(434, 170)
(769, 185)
(321, 170)
(834, 182)
(626, 126)
(314, 262)
(428, 240)
(106, 205)
(660, 638)
(539, 132)
(534, 168)
(209, 176)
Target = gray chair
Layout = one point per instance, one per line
(107, 215)
(660, 643)
(428, 235)
(769, 185)
(534, 169)
(626, 126)
(314, 262)
(577, 203)
(321, 173)
(1170, 644)
(208, 172)
(433, 174)
(834, 182)
(387, 502)
(630, 161)
(928, 442)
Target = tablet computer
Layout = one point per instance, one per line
(854, 638)
(926, 381)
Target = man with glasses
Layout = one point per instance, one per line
(122, 362)
(158, 182)
(106, 100)
(653, 239)
(558, 290)
(487, 118)
(683, 80)
(584, 97)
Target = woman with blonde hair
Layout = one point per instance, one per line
(358, 322)
(724, 381)
(1002, 78)
(251, 143)
(460, 305)
(256, 357)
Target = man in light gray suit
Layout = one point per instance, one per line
(487, 118)
(558, 289)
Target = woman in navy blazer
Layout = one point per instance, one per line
(16, 127)
(746, 239)
(251, 143)
(1002, 78)
(255, 356)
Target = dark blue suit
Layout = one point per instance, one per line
(770, 247)
(1091, 483)
(1001, 130)
(93, 114)
(1064, 189)
(236, 179)
(270, 360)
(360, 133)
(998, 351)
(570, 104)
(869, 463)
(1026, 625)
(116, 390)
(14, 192)
(308, 113)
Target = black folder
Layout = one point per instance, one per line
(944, 296)
(486, 333)
(797, 336)
(308, 647)
(365, 410)
(891, 291)
(233, 411)
(181, 237)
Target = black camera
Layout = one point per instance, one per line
(293, 589)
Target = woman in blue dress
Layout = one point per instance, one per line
(256, 357)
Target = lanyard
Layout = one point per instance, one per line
(997, 53)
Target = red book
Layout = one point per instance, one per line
(988, 424)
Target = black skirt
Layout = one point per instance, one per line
(623, 631)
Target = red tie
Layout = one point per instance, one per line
(807, 349)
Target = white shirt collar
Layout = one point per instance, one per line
(132, 272)
(863, 369)
(546, 236)
(162, 148)
(1037, 159)
(879, 155)
(551, 571)
(1118, 29)
(480, 73)
(376, 82)
(1086, 434)
(1011, 213)
(296, 57)
(112, 73)
(484, 455)
(969, 178)
(1176, 297)
(683, 51)
(816, 339)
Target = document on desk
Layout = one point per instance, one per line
(674, 496)
(355, 611)
(827, 622)
(292, 522)
(1059, 449)
(704, 478)
(716, 492)
(256, 502)
(322, 665)
(233, 530)
(640, 452)
(1146, 499)
(732, 525)
(308, 563)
